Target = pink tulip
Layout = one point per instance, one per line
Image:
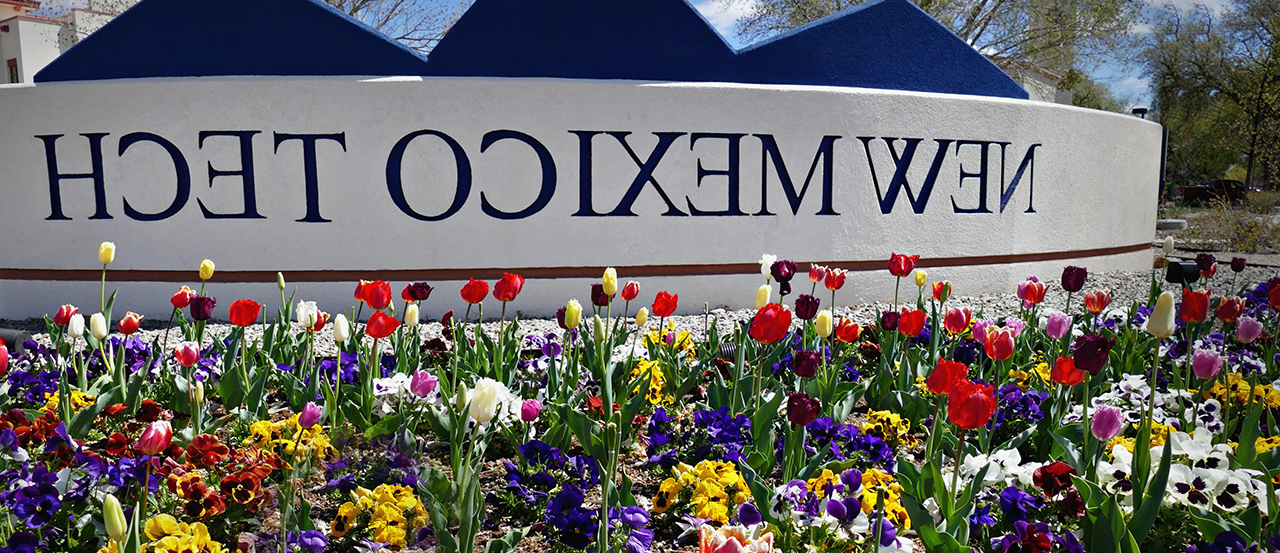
(1058, 325)
(155, 438)
(422, 383)
(530, 409)
(1206, 363)
(310, 415)
(1248, 329)
(187, 354)
(980, 329)
(1015, 325)
(1107, 423)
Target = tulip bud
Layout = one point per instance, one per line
(75, 327)
(642, 316)
(341, 330)
(610, 281)
(280, 281)
(113, 516)
(206, 269)
(631, 290)
(461, 399)
(199, 392)
(762, 295)
(1161, 322)
(155, 438)
(530, 409)
(1168, 245)
(599, 329)
(823, 323)
(572, 314)
(411, 318)
(921, 278)
(107, 252)
(309, 416)
(98, 326)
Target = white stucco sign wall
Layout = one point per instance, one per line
(329, 180)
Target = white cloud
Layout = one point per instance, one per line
(1141, 28)
(1135, 83)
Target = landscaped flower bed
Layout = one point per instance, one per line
(1133, 424)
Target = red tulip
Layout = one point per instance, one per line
(322, 319)
(971, 405)
(474, 291)
(1034, 292)
(957, 320)
(377, 294)
(945, 375)
(902, 265)
(244, 312)
(1097, 300)
(942, 290)
(848, 331)
(910, 323)
(129, 323)
(817, 273)
(1273, 297)
(181, 298)
(187, 354)
(999, 343)
(381, 325)
(1230, 309)
(771, 323)
(1195, 306)
(4, 358)
(63, 316)
(155, 438)
(802, 409)
(665, 304)
(835, 279)
(508, 287)
(631, 290)
(1065, 372)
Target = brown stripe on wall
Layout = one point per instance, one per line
(189, 275)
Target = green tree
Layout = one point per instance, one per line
(1219, 75)
(1049, 33)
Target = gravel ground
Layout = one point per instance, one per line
(1124, 286)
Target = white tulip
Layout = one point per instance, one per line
(411, 318)
(75, 327)
(1168, 245)
(766, 265)
(98, 326)
(341, 329)
(307, 313)
(484, 399)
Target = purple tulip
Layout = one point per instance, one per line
(202, 307)
(1058, 325)
(560, 317)
(1206, 363)
(1247, 330)
(1091, 352)
(598, 297)
(1205, 261)
(422, 383)
(782, 270)
(807, 306)
(889, 320)
(530, 409)
(1238, 264)
(310, 415)
(1073, 278)
(1107, 423)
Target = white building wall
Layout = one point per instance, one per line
(33, 43)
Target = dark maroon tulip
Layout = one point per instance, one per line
(417, 291)
(1205, 261)
(446, 321)
(889, 320)
(598, 297)
(802, 409)
(560, 318)
(805, 363)
(1091, 351)
(783, 270)
(1073, 278)
(1238, 264)
(202, 307)
(807, 306)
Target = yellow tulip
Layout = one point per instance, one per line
(642, 316)
(199, 392)
(610, 281)
(572, 314)
(763, 293)
(113, 515)
(206, 269)
(823, 323)
(1162, 321)
(98, 326)
(921, 278)
(411, 317)
(107, 252)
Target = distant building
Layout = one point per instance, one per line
(1041, 84)
(29, 41)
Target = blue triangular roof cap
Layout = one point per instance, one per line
(200, 38)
